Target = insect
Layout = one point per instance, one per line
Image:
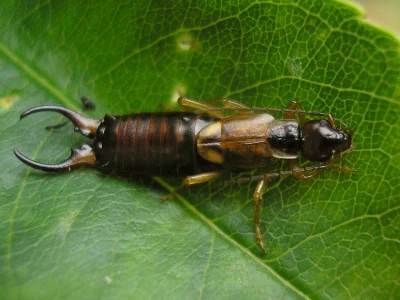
(207, 144)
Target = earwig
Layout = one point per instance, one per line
(206, 144)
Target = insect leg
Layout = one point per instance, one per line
(307, 173)
(215, 111)
(190, 103)
(294, 108)
(229, 103)
(300, 173)
(331, 164)
(202, 178)
(290, 112)
(258, 193)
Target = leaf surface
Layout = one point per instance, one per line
(90, 235)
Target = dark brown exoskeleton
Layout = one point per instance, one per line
(206, 145)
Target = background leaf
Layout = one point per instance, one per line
(89, 235)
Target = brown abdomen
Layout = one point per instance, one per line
(156, 144)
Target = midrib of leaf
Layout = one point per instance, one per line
(214, 227)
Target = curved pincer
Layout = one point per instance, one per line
(84, 156)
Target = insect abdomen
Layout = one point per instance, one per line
(151, 144)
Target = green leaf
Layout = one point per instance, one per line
(85, 234)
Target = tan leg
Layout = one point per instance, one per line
(190, 103)
(202, 178)
(289, 112)
(303, 175)
(331, 164)
(299, 172)
(236, 106)
(229, 103)
(331, 120)
(343, 155)
(343, 126)
(211, 109)
(258, 193)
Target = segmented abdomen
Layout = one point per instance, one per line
(152, 144)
